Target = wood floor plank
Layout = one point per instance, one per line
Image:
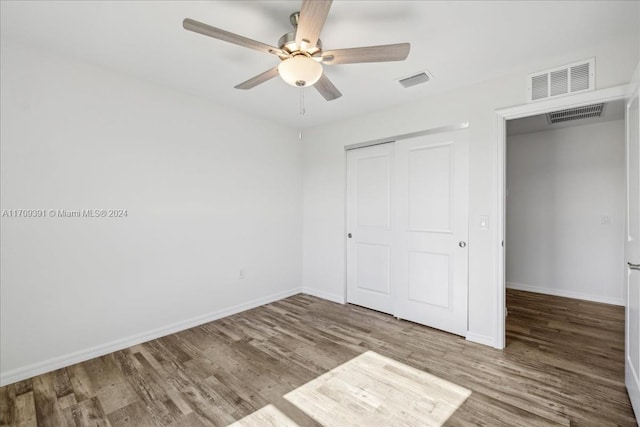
(116, 396)
(25, 409)
(147, 388)
(268, 416)
(190, 420)
(482, 410)
(88, 413)
(133, 415)
(7, 404)
(80, 381)
(46, 401)
(563, 365)
(24, 386)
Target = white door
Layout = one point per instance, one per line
(432, 229)
(407, 229)
(632, 254)
(370, 213)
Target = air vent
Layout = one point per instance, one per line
(415, 79)
(540, 87)
(580, 77)
(561, 81)
(585, 112)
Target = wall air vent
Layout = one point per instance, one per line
(584, 112)
(415, 79)
(561, 81)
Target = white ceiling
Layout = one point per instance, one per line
(460, 43)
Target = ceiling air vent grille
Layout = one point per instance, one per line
(580, 77)
(584, 112)
(539, 87)
(561, 81)
(415, 79)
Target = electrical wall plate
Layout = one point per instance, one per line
(484, 222)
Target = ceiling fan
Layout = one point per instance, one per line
(300, 51)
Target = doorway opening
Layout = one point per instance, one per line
(565, 224)
(605, 96)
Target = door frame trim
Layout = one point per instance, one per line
(501, 117)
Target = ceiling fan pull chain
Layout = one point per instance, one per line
(302, 110)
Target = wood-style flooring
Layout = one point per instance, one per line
(563, 365)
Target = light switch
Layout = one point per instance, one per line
(484, 222)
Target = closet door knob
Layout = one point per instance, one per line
(462, 244)
(349, 235)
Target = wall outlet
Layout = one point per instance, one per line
(605, 220)
(241, 274)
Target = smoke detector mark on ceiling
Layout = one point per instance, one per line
(415, 79)
(584, 112)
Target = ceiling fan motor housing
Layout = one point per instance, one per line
(299, 67)
(288, 44)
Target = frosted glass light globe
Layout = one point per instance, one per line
(300, 71)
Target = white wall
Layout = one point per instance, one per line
(208, 191)
(324, 174)
(559, 185)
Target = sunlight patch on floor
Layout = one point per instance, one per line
(371, 389)
(265, 417)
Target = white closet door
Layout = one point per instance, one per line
(370, 213)
(431, 231)
(632, 254)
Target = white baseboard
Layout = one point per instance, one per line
(324, 295)
(481, 339)
(563, 293)
(29, 371)
(633, 388)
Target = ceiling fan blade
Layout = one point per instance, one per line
(327, 89)
(384, 53)
(260, 78)
(217, 33)
(313, 14)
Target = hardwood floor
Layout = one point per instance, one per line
(563, 365)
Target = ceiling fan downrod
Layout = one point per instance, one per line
(294, 18)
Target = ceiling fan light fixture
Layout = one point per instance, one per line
(300, 71)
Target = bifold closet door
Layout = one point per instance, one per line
(370, 216)
(431, 268)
